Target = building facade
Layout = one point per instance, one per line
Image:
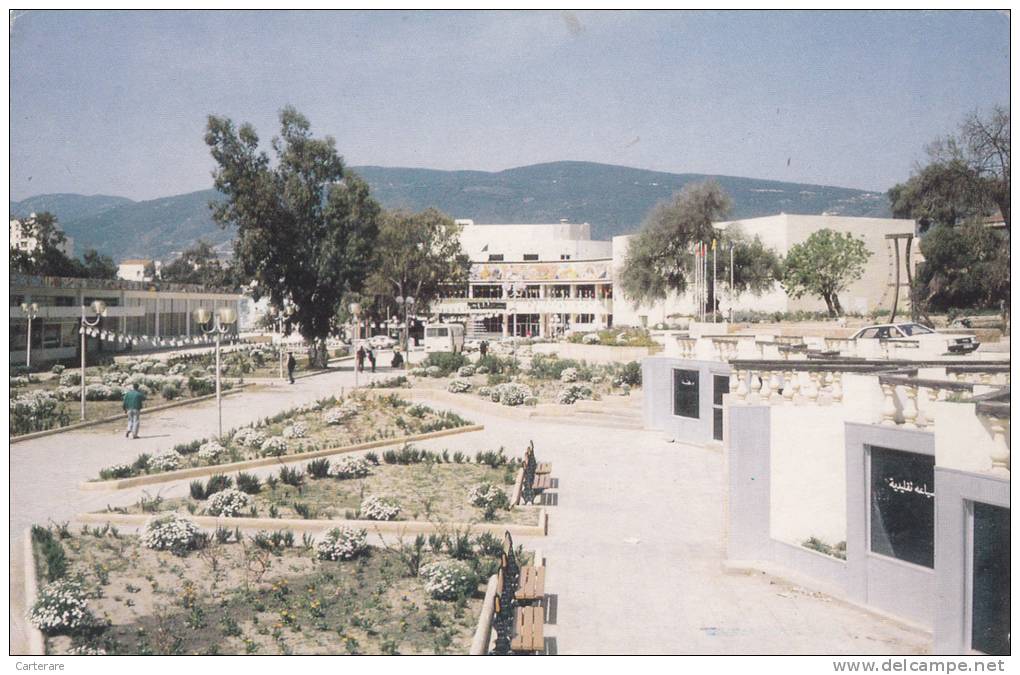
(24, 241)
(542, 280)
(161, 311)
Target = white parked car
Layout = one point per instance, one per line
(382, 342)
(915, 331)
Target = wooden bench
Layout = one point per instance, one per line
(519, 626)
(542, 482)
(529, 630)
(545, 467)
(531, 585)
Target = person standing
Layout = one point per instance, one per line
(398, 359)
(133, 400)
(291, 365)
(483, 348)
(359, 358)
(371, 358)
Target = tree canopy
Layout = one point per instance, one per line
(964, 267)
(48, 257)
(200, 265)
(967, 175)
(825, 264)
(306, 227)
(659, 258)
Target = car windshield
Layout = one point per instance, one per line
(910, 329)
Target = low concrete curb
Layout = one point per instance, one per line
(114, 418)
(170, 476)
(397, 527)
(36, 641)
(480, 642)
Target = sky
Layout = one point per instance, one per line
(116, 102)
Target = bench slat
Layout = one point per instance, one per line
(542, 482)
(544, 468)
(529, 630)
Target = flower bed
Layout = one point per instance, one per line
(328, 423)
(401, 484)
(270, 593)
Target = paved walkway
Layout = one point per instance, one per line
(635, 547)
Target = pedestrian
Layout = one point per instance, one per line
(483, 348)
(291, 365)
(133, 407)
(371, 358)
(359, 358)
(398, 359)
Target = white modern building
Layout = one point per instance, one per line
(541, 280)
(22, 240)
(133, 269)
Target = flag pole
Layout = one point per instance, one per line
(714, 287)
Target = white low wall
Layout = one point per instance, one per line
(592, 353)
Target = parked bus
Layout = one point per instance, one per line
(444, 337)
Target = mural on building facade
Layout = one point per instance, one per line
(598, 270)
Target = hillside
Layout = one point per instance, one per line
(614, 199)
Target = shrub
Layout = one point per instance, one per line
(513, 393)
(296, 430)
(169, 392)
(249, 438)
(172, 532)
(275, 446)
(292, 477)
(165, 461)
(228, 503)
(376, 508)
(53, 554)
(57, 369)
(446, 362)
(342, 544)
(458, 386)
(590, 338)
(492, 364)
(35, 411)
(217, 483)
(318, 468)
(434, 371)
(491, 458)
(449, 580)
(248, 483)
(201, 386)
(71, 378)
(466, 371)
(210, 451)
(568, 375)
(573, 392)
(485, 392)
(550, 367)
(488, 497)
(62, 607)
(631, 374)
(348, 467)
(116, 471)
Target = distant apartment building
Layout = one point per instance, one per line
(134, 269)
(22, 239)
(542, 280)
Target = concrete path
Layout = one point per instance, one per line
(635, 548)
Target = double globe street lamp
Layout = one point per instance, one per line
(407, 303)
(99, 308)
(355, 309)
(219, 325)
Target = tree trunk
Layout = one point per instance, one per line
(318, 355)
(828, 303)
(836, 305)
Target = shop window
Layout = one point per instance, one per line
(903, 505)
(495, 257)
(530, 257)
(990, 598)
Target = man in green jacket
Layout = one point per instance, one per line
(133, 406)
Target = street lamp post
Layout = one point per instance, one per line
(31, 311)
(356, 313)
(221, 323)
(99, 307)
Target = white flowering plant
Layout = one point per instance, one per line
(466, 371)
(488, 497)
(348, 467)
(296, 430)
(513, 393)
(377, 508)
(342, 543)
(434, 371)
(458, 386)
(171, 532)
(274, 446)
(449, 580)
(210, 451)
(249, 438)
(62, 607)
(165, 461)
(568, 375)
(228, 503)
(590, 339)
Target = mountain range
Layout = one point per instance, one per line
(614, 199)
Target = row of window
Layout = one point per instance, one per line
(528, 257)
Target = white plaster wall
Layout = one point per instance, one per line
(962, 439)
(549, 241)
(808, 473)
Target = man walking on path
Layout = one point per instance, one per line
(291, 365)
(133, 406)
(483, 348)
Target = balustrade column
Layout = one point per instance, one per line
(741, 389)
(910, 408)
(788, 386)
(766, 384)
(837, 387)
(1000, 448)
(755, 385)
(811, 392)
(888, 405)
